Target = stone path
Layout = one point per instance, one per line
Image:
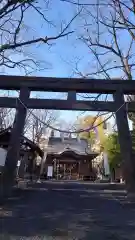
(67, 211)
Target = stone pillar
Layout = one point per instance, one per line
(24, 160)
(14, 144)
(128, 165)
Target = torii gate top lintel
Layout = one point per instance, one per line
(81, 85)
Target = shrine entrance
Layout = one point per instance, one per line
(70, 165)
(71, 86)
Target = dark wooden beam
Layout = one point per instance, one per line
(128, 165)
(69, 105)
(60, 104)
(65, 104)
(8, 102)
(71, 96)
(66, 84)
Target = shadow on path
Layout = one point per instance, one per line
(56, 214)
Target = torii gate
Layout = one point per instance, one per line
(72, 86)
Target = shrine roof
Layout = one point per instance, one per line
(69, 146)
(5, 138)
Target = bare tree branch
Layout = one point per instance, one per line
(35, 126)
(16, 34)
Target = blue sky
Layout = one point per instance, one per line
(62, 57)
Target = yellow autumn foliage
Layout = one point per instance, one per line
(91, 121)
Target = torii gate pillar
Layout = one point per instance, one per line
(125, 140)
(14, 145)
